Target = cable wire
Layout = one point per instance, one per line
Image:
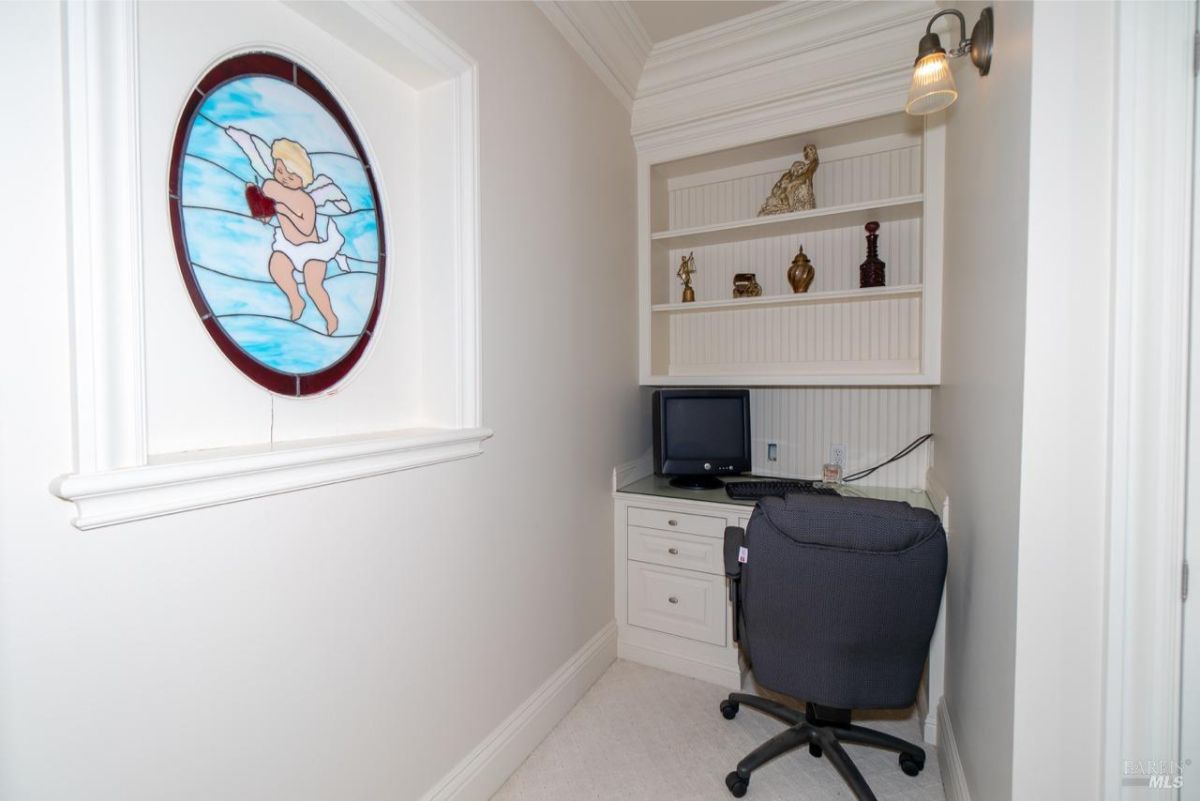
(912, 446)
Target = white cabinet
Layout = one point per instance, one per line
(685, 603)
(676, 550)
(888, 169)
(672, 598)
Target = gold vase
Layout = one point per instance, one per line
(801, 274)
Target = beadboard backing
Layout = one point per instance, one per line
(716, 197)
(873, 423)
(835, 254)
(882, 336)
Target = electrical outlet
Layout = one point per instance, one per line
(772, 452)
(837, 455)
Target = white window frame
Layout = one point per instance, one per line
(115, 480)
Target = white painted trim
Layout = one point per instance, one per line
(608, 37)
(913, 378)
(490, 763)
(212, 478)
(933, 686)
(628, 472)
(806, 298)
(727, 677)
(105, 257)
(882, 209)
(1152, 226)
(954, 779)
(116, 480)
(933, 222)
(770, 35)
(792, 67)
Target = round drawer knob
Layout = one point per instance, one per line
(672, 522)
(673, 551)
(673, 599)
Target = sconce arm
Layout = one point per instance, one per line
(964, 44)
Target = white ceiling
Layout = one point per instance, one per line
(665, 19)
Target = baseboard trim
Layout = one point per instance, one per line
(954, 780)
(481, 773)
(730, 678)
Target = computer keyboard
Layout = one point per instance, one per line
(753, 490)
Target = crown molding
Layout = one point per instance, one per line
(797, 65)
(785, 68)
(608, 37)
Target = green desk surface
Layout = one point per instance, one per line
(660, 487)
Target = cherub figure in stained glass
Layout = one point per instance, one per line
(292, 194)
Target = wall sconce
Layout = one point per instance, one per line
(932, 83)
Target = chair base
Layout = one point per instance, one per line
(823, 730)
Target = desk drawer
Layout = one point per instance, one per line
(676, 549)
(704, 525)
(681, 602)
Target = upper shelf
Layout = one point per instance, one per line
(896, 208)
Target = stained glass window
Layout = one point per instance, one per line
(277, 223)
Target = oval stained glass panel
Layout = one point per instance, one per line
(277, 223)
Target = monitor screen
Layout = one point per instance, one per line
(704, 428)
(700, 434)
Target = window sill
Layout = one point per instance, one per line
(183, 482)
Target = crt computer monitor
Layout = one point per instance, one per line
(700, 434)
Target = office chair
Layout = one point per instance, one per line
(835, 601)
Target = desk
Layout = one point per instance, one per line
(672, 602)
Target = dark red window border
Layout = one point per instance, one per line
(271, 65)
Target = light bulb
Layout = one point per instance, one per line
(932, 85)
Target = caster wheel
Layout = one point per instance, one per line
(911, 765)
(737, 785)
(814, 749)
(729, 709)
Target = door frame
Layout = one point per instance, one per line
(1151, 234)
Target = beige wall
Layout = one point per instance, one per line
(353, 641)
(977, 411)
(1022, 417)
(1061, 596)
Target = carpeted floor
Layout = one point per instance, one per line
(641, 734)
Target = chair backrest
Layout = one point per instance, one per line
(839, 598)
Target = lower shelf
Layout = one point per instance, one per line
(845, 296)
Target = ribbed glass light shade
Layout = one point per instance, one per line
(932, 85)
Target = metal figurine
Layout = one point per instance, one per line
(871, 271)
(801, 274)
(745, 285)
(794, 189)
(686, 267)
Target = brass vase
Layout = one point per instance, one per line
(801, 274)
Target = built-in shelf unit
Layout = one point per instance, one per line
(888, 169)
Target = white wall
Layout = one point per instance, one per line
(1060, 649)
(357, 640)
(977, 411)
(1022, 417)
